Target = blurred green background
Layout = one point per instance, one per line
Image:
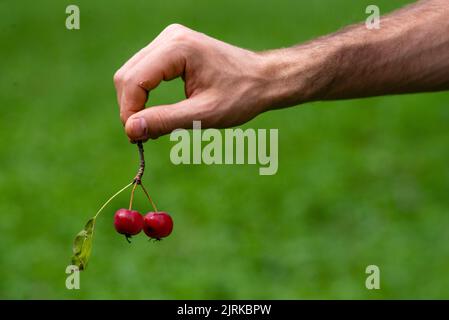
(360, 182)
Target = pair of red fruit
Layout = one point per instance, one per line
(156, 225)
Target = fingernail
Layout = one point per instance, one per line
(139, 128)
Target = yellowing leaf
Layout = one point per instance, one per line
(82, 245)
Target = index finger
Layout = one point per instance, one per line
(162, 63)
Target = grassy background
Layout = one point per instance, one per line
(360, 182)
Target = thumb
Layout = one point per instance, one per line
(156, 121)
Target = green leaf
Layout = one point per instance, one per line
(82, 245)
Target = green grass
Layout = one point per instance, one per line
(359, 182)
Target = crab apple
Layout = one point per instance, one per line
(128, 222)
(157, 225)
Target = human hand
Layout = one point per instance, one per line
(224, 85)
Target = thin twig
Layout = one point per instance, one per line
(138, 178)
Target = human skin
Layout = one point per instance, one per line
(226, 86)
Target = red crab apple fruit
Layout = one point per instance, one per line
(157, 225)
(128, 222)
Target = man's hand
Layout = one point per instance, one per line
(224, 85)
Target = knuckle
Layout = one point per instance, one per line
(174, 27)
(178, 33)
(127, 79)
(118, 75)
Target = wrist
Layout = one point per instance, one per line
(299, 74)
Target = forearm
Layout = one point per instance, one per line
(409, 53)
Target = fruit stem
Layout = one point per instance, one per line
(138, 178)
(149, 198)
(132, 196)
(110, 199)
